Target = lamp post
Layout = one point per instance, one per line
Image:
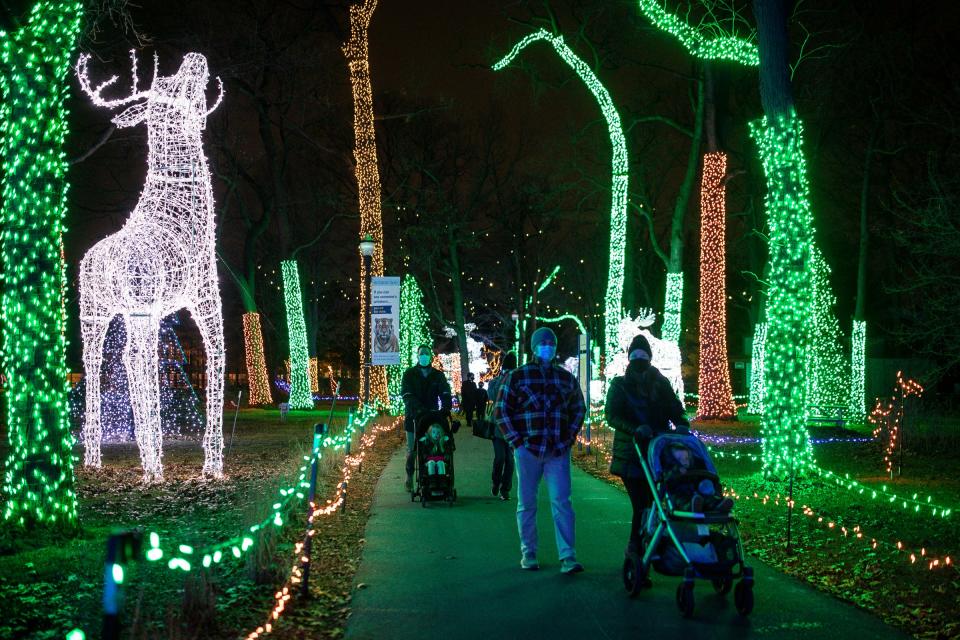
(516, 333)
(367, 247)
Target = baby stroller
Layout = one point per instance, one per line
(436, 487)
(702, 546)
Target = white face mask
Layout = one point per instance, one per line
(424, 360)
(546, 352)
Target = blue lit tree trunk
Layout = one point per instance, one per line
(786, 445)
(38, 480)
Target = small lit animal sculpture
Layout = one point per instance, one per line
(161, 261)
(665, 356)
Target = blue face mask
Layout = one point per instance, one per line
(424, 360)
(545, 352)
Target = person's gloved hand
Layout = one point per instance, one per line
(643, 432)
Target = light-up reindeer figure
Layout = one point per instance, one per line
(161, 261)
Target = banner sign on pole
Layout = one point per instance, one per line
(385, 319)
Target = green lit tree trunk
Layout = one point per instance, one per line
(38, 480)
(786, 446)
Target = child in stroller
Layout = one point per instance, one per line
(677, 539)
(434, 450)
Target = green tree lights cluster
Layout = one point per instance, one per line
(414, 331)
(758, 353)
(857, 402)
(671, 311)
(786, 442)
(620, 179)
(827, 379)
(38, 479)
(300, 396)
(720, 47)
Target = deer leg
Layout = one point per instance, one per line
(93, 328)
(140, 358)
(208, 315)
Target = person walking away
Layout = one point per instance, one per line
(422, 389)
(480, 402)
(540, 411)
(468, 398)
(640, 404)
(502, 455)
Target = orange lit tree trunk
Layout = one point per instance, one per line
(368, 179)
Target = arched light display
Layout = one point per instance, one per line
(620, 178)
(300, 396)
(161, 261)
(716, 394)
(858, 359)
(257, 378)
(38, 478)
(786, 441)
(758, 351)
(828, 382)
(368, 179)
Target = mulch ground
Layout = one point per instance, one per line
(880, 579)
(54, 584)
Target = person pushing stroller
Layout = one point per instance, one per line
(423, 389)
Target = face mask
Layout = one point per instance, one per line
(546, 352)
(639, 354)
(424, 360)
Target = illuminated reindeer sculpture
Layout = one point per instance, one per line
(161, 261)
(665, 356)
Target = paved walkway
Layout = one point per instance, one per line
(453, 573)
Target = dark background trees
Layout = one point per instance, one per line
(512, 170)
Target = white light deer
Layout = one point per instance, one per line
(665, 356)
(161, 261)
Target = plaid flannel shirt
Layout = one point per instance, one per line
(539, 408)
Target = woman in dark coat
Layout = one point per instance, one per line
(640, 405)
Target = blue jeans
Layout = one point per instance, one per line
(556, 472)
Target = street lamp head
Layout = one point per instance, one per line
(367, 245)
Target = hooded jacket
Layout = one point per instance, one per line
(642, 396)
(422, 393)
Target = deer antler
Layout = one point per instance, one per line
(94, 94)
(219, 98)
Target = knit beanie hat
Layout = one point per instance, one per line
(540, 335)
(640, 342)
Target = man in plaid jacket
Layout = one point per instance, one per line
(539, 409)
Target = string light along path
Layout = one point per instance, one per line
(161, 261)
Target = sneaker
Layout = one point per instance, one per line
(409, 483)
(496, 490)
(529, 562)
(504, 497)
(569, 565)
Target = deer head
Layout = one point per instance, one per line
(170, 99)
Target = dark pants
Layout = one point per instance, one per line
(468, 411)
(640, 499)
(502, 466)
(411, 452)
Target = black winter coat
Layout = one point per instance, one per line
(423, 393)
(643, 396)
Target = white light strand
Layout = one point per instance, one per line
(161, 261)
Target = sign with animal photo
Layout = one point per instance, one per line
(385, 319)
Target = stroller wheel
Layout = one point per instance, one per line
(634, 577)
(743, 597)
(722, 585)
(685, 599)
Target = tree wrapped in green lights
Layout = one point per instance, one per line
(620, 179)
(300, 396)
(38, 479)
(828, 380)
(414, 331)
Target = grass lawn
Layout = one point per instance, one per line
(880, 579)
(53, 585)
